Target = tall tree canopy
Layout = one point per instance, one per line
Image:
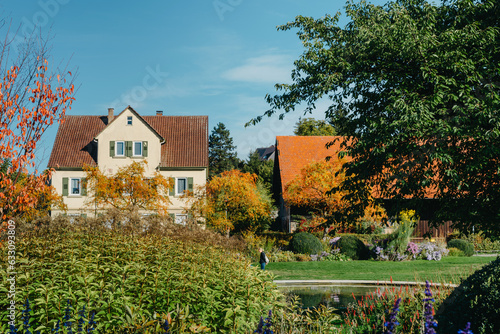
(262, 168)
(221, 151)
(313, 127)
(416, 84)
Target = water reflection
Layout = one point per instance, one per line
(337, 296)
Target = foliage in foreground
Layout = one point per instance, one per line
(476, 299)
(132, 276)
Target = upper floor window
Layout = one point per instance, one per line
(181, 186)
(75, 186)
(129, 120)
(128, 148)
(120, 149)
(137, 149)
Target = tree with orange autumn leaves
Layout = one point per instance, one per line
(312, 189)
(232, 201)
(128, 190)
(32, 98)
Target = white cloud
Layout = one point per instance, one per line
(262, 69)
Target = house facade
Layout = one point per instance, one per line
(175, 146)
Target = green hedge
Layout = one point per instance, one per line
(305, 243)
(476, 300)
(353, 247)
(466, 247)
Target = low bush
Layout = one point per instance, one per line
(476, 300)
(306, 243)
(455, 252)
(353, 248)
(132, 276)
(466, 247)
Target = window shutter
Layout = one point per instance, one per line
(172, 215)
(128, 148)
(111, 148)
(144, 148)
(65, 186)
(84, 186)
(84, 215)
(190, 184)
(171, 191)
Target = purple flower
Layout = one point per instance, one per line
(259, 326)
(430, 323)
(392, 323)
(466, 330)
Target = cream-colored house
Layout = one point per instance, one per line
(176, 146)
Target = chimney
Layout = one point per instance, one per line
(159, 112)
(110, 115)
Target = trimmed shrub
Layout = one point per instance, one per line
(353, 247)
(455, 252)
(306, 243)
(476, 300)
(466, 247)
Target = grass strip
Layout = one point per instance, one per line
(449, 269)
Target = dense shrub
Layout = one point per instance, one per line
(131, 276)
(306, 243)
(353, 248)
(466, 247)
(455, 252)
(476, 300)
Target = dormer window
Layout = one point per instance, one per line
(129, 120)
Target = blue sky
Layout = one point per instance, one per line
(201, 57)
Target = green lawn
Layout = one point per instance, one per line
(446, 270)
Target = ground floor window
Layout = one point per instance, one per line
(181, 219)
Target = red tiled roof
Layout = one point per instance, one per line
(186, 141)
(295, 152)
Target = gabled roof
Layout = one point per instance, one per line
(266, 153)
(186, 140)
(139, 117)
(295, 152)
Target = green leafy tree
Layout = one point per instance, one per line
(313, 127)
(262, 168)
(417, 86)
(221, 151)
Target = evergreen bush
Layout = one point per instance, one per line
(353, 247)
(476, 300)
(466, 247)
(306, 243)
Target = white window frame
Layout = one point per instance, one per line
(133, 149)
(177, 193)
(116, 148)
(70, 192)
(129, 120)
(181, 219)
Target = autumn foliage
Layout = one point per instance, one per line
(233, 201)
(32, 98)
(128, 190)
(312, 189)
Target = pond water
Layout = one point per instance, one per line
(332, 295)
